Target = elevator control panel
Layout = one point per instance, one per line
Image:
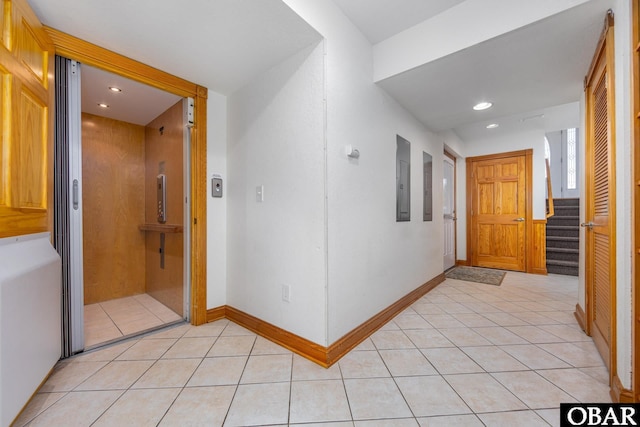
(161, 184)
(216, 186)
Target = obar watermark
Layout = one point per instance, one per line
(599, 414)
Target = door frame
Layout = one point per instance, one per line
(455, 205)
(528, 227)
(90, 54)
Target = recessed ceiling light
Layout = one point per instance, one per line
(492, 126)
(115, 89)
(103, 105)
(482, 106)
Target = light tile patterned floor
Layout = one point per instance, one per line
(114, 319)
(463, 355)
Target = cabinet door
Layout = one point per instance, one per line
(26, 136)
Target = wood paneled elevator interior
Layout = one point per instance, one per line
(133, 243)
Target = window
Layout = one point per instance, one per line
(547, 154)
(571, 159)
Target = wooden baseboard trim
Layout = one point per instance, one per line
(579, 315)
(293, 342)
(542, 271)
(323, 356)
(463, 262)
(619, 394)
(217, 313)
(362, 332)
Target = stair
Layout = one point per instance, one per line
(563, 231)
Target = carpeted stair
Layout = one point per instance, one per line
(563, 231)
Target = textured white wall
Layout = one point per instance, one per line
(216, 207)
(582, 184)
(555, 147)
(373, 260)
(624, 189)
(276, 140)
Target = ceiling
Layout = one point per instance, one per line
(533, 75)
(378, 19)
(220, 44)
(137, 103)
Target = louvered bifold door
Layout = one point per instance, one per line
(600, 203)
(601, 238)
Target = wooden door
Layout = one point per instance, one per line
(448, 210)
(600, 200)
(498, 212)
(26, 70)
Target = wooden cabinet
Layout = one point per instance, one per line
(26, 137)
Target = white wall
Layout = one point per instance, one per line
(372, 260)
(216, 207)
(624, 189)
(582, 184)
(555, 148)
(277, 140)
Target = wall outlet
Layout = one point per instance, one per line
(286, 293)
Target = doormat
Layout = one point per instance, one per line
(476, 274)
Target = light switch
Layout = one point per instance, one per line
(260, 193)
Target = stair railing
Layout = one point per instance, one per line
(550, 210)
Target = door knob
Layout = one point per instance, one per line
(519, 219)
(588, 225)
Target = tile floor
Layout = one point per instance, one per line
(463, 355)
(111, 320)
